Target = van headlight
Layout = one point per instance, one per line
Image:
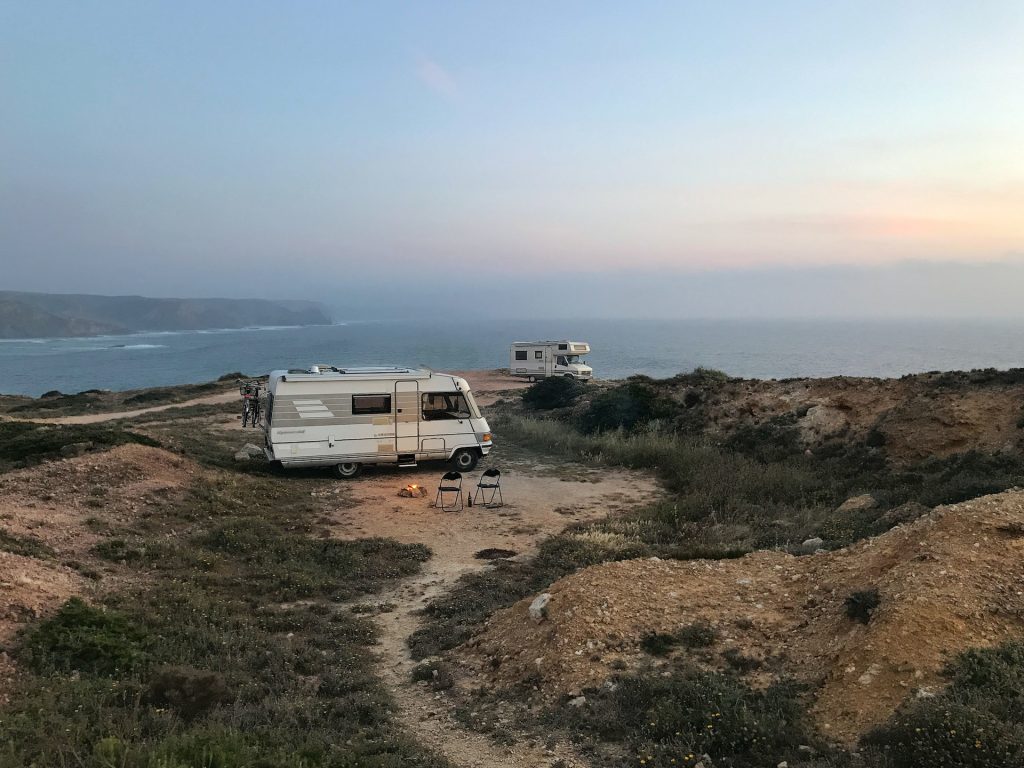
(484, 437)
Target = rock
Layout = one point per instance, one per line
(783, 764)
(539, 607)
(858, 503)
(869, 677)
(579, 701)
(822, 421)
(905, 513)
(75, 449)
(249, 451)
(811, 546)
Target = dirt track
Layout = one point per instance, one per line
(540, 500)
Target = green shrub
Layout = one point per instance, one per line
(700, 634)
(118, 550)
(59, 401)
(188, 691)
(775, 440)
(27, 546)
(660, 720)
(627, 406)
(740, 661)
(658, 643)
(861, 605)
(437, 673)
(976, 722)
(553, 392)
(289, 566)
(875, 438)
(80, 638)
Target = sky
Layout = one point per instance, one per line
(686, 158)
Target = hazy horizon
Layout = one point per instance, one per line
(740, 160)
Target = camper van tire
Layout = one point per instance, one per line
(465, 460)
(348, 469)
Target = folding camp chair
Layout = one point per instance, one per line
(451, 482)
(489, 481)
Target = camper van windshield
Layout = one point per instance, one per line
(445, 405)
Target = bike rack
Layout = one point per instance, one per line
(250, 390)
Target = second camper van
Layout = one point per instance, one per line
(540, 359)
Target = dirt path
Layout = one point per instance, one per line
(540, 500)
(96, 418)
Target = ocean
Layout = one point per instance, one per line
(762, 349)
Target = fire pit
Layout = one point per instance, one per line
(413, 491)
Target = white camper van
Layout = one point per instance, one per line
(348, 417)
(539, 359)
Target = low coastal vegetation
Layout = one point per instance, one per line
(94, 401)
(23, 443)
(753, 484)
(225, 640)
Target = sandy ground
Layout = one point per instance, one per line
(540, 500)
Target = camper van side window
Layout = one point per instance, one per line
(520, 354)
(563, 347)
(538, 354)
(365, 405)
(445, 405)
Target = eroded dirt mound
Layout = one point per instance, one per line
(59, 502)
(950, 581)
(914, 417)
(49, 516)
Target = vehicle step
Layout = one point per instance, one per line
(407, 460)
(414, 464)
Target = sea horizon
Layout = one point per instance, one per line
(746, 348)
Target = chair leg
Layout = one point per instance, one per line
(457, 504)
(489, 502)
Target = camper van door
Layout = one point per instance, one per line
(407, 416)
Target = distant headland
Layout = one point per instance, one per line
(50, 315)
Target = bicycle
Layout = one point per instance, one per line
(250, 391)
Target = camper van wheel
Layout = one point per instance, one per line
(348, 469)
(533, 379)
(465, 460)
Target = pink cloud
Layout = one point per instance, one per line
(437, 78)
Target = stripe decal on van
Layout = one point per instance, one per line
(312, 409)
